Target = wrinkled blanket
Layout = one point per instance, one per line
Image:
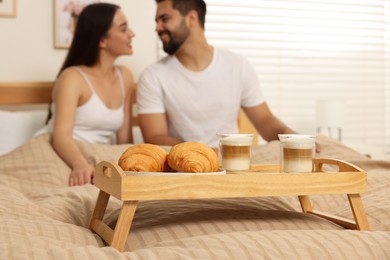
(42, 218)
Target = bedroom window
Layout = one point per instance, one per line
(312, 50)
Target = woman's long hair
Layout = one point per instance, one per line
(92, 25)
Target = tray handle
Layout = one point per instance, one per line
(342, 165)
(108, 170)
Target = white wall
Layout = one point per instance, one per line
(27, 50)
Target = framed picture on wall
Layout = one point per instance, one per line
(66, 13)
(7, 8)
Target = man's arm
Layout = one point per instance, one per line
(268, 125)
(154, 129)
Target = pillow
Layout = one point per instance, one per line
(18, 126)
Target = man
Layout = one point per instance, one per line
(197, 91)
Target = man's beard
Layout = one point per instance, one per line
(172, 46)
(176, 39)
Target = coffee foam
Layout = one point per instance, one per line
(298, 142)
(237, 140)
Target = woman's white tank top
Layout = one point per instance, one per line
(94, 121)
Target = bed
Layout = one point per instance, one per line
(42, 218)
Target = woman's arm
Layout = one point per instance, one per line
(66, 95)
(125, 134)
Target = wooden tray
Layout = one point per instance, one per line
(261, 180)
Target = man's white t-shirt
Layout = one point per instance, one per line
(199, 105)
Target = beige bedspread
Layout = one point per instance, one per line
(42, 218)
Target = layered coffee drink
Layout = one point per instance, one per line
(235, 157)
(297, 152)
(297, 160)
(235, 151)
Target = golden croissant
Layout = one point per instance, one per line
(193, 157)
(143, 158)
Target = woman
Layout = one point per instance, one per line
(91, 96)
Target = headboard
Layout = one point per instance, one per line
(22, 93)
(30, 93)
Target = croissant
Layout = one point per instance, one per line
(143, 158)
(193, 157)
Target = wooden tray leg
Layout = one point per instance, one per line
(123, 225)
(358, 212)
(115, 238)
(97, 224)
(357, 208)
(100, 209)
(305, 202)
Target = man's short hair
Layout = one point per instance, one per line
(185, 6)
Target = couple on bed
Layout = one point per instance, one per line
(190, 95)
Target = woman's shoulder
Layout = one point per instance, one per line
(125, 71)
(70, 73)
(127, 75)
(69, 77)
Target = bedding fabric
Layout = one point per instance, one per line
(42, 218)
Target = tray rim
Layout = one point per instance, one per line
(220, 171)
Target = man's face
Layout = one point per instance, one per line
(171, 27)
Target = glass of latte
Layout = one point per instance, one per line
(235, 151)
(296, 153)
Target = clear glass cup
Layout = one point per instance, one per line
(296, 153)
(235, 151)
